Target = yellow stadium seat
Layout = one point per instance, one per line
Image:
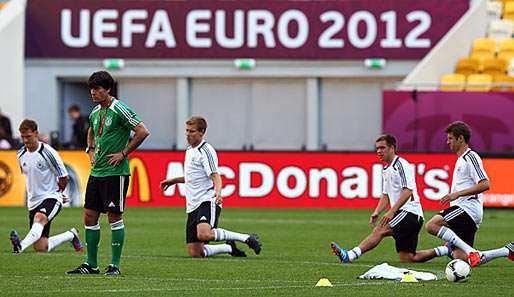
(467, 66)
(507, 45)
(508, 82)
(481, 56)
(508, 11)
(494, 67)
(452, 82)
(483, 48)
(484, 45)
(479, 83)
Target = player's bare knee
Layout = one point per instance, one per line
(114, 217)
(432, 227)
(90, 217)
(204, 235)
(40, 218)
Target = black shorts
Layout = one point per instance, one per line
(460, 223)
(51, 208)
(107, 193)
(406, 226)
(208, 212)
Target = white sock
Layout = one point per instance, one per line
(448, 235)
(214, 249)
(33, 235)
(354, 253)
(441, 251)
(59, 239)
(222, 234)
(493, 254)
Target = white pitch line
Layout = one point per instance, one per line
(201, 289)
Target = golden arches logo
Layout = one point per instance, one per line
(6, 179)
(137, 165)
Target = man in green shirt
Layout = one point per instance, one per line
(110, 126)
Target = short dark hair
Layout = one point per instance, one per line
(74, 107)
(459, 128)
(389, 139)
(101, 79)
(200, 123)
(28, 124)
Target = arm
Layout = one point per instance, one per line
(404, 197)
(140, 134)
(482, 186)
(165, 184)
(216, 179)
(62, 183)
(382, 205)
(91, 145)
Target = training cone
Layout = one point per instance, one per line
(324, 282)
(408, 278)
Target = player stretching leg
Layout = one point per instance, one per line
(203, 196)
(46, 179)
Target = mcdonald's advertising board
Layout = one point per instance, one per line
(271, 179)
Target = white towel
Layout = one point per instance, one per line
(386, 271)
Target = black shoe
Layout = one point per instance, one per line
(15, 241)
(235, 251)
(84, 269)
(112, 270)
(254, 243)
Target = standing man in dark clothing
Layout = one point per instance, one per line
(80, 126)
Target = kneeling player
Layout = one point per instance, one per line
(46, 178)
(203, 197)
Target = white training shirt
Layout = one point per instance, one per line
(468, 172)
(396, 177)
(200, 163)
(42, 168)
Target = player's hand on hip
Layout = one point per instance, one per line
(219, 199)
(115, 159)
(386, 219)
(92, 158)
(448, 198)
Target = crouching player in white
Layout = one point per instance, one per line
(203, 197)
(46, 178)
(403, 220)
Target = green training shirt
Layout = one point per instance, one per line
(111, 129)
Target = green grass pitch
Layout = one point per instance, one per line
(295, 256)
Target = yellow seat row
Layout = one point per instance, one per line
(492, 66)
(486, 48)
(475, 83)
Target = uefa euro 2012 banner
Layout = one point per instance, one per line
(261, 29)
(272, 179)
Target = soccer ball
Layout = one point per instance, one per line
(457, 271)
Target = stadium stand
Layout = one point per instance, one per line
(490, 65)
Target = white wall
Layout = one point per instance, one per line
(12, 46)
(191, 85)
